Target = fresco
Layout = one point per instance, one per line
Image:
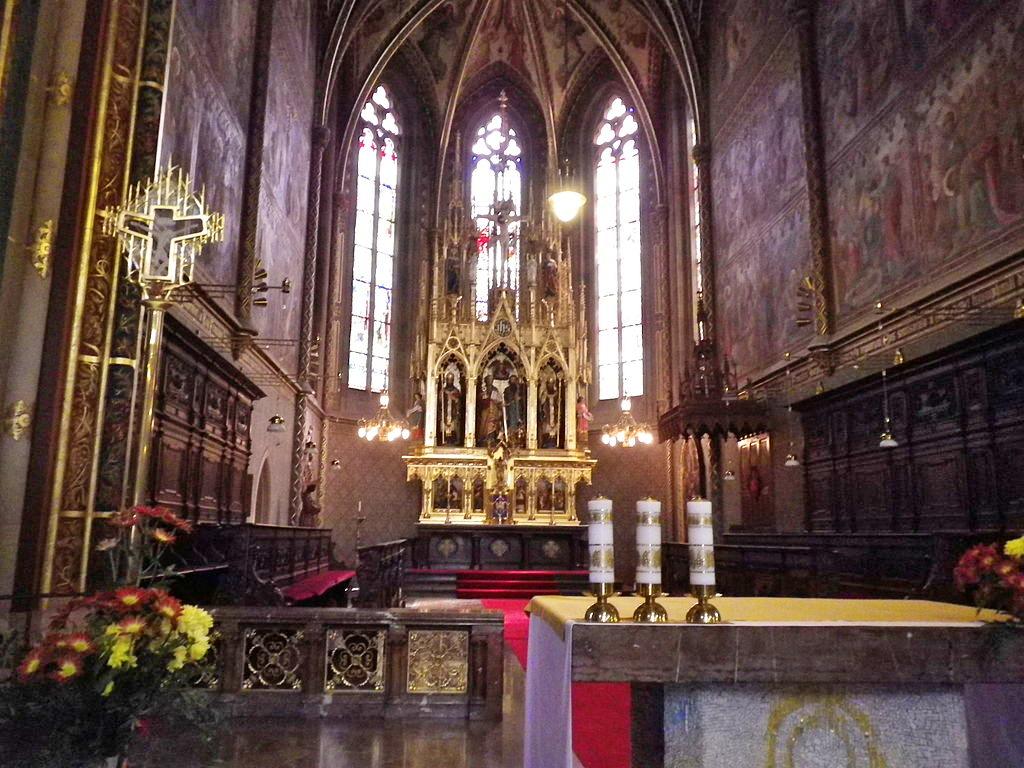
(970, 145)
(206, 114)
(735, 30)
(285, 181)
(758, 161)
(940, 177)
(757, 294)
(871, 205)
(932, 24)
(858, 57)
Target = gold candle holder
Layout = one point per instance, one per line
(650, 611)
(703, 612)
(602, 611)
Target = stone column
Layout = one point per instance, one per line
(302, 403)
(701, 159)
(470, 427)
(801, 14)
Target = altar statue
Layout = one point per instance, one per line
(583, 418)
(489, 406)
(549, 412)
(451, 411)
(550, 285)
(415, 417)
(513, 408)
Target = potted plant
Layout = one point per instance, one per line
(994, 577)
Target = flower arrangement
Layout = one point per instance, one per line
(994, 577)
(110, 661)
(135, 551)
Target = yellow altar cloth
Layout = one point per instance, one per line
(556, 610)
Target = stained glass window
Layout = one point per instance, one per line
(695, 244)
(620, 346)
(496, 181)
(373, 255)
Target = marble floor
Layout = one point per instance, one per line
(369, 743)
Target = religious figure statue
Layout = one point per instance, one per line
(513, 409)
(583, 418)
(549, 412)
(451, 410)
(452, 275)
(310, 515)
(415, 417)
(550, 286)
(489, 407)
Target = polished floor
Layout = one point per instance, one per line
(370, 743)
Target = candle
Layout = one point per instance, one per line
(648, 541)
(700, 536)
(600, 541)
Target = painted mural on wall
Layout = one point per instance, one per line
(938, 177)
(757, 294)
(736, 28)
(207, 112)
(858, 53)
(872, 234)
(758, 162)
(285, 180)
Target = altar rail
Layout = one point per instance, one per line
(348, 662)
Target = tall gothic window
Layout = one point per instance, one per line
(373, 258)
(695, 244)
(620, 345)
(496, 184)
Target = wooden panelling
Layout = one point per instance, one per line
(959, 419)
(203, 441)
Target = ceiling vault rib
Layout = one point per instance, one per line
(341, 35)
(543, 82)
(458, 78)
(681, 49)
(596, 28)
(411, 24)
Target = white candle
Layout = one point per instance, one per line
(600, 541)
(701, 538)
(648, 541)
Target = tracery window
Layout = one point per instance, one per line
(496, 184)
(620, 348)
(695, 240)
(373, 257)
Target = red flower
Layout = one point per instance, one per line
(965, 575)
(78, 642)
(30, 666)
(167, 606)
(163, 537)
(132, 625)
(131, 598)
(69, 666)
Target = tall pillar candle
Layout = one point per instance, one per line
(600, 541)
(700, 536)
(648, 541)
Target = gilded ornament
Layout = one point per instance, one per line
(61, 89)
(18, 420)
(40, 249)
(438, 661)
(355, 661)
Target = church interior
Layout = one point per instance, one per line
(493, 383)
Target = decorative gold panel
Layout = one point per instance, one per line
(355, 660)
(438, 661)
(273, 660)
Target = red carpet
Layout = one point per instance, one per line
(600, 711)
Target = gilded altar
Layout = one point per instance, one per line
(501, 368)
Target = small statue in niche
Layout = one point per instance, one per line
(520, 499)
(549, 410)
(310, 515)
(452, 275)
(583, 418)
(550, 276)
(490, 409)
(415, 417)
(513, 406)
(451, 410)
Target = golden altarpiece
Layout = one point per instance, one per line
(501, 359)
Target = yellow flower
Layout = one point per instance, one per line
(121, 653)
(198, 649)
(195, 622)
(1015, 548)
(180, 657)
(108, 689)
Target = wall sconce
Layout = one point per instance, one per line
(887, 440)
(275, 423)
(336, 465)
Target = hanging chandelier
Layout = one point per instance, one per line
(383, 426)
(626, 432)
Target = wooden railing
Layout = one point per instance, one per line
(326, 662)
(380, 571)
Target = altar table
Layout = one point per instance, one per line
(786, 683)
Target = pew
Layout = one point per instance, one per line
(380, 573)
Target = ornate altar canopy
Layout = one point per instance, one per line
(502, 362)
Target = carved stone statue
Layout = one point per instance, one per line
(451, 410)
(549, 412)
